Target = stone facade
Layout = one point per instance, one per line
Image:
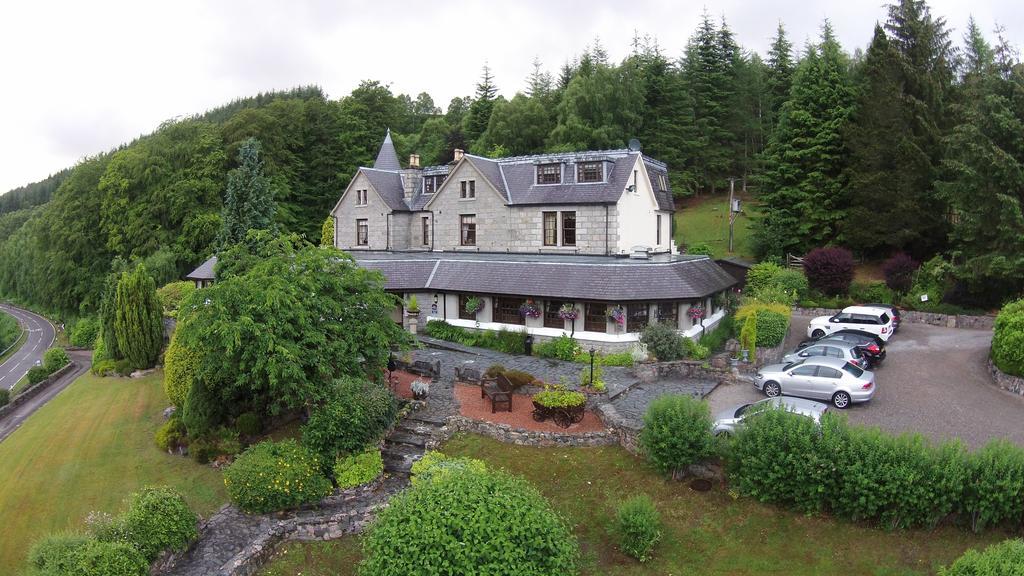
(1005, 381)
(375, 212)
(916, 317)
(493, 218)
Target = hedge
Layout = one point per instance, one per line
(772, 321)
(54, 359)
(157, 519)
(69, 555)
(273, 476)
(1008, 339)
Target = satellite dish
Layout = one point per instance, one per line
(634, 145)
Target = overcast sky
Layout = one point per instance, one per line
(83, 77)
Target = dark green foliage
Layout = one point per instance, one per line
(456, 523)
(248, 424)
(138, 319)
(157, 519)
(54, 359)
(172, 294)
(345, 330)
(5, 397)
(273, 476)
(104, 368)
(358, 469)
(663, 341)
(1003, 559)
(769, 282)
(563, 347)
(64, 555)
(829, 270)
(700, 248)
(772, 328)
(171, 434)
(249, 204)
(84, 331)
(353, 416)
(124, 367)
(33, 194)
(677, 433)
(995, 495)
(37, 374)
(871, 292)
(108, 320)
(1008, 339)
(508, 341)
(714, 340)
(10, 331)
(54, 554)
(638, 526)
(899, 272)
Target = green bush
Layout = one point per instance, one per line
(613, 359)
(469, 522)
(248, 424)
(695, 350)
(933, 278)
(10, 331)
(171, 295)
(638, 527)
(519, 378)
(83, 333)
(37, 374)
(494, 369)
(157, 519)
(677, 433)
(5, 397)
(272, 476)
(760, 276)
(80, 555)
(872, 292)
(180, 367)
(772, 328)
(563, 348)
(358, 469)
(100, 351)
(1003, 559)
(700, 249)
(436, 463)
(792, 282)
(508, 341)
(171, 434)
(593, 378)
(124, 367)
(748, 336)
(54, 359)
(716, 338)
(214, 444)
(995, 494)
(106, 367)
(354, 416)
(559, 397)
(1008, 339)
(663, 341)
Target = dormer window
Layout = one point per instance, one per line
(428, 185)
(589, 172)
(549, 174)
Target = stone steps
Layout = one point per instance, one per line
(403, 437)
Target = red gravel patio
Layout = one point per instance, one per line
(471, 405)
(401, 383)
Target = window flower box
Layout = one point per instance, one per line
(568, 312)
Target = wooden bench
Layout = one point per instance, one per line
(499, 391)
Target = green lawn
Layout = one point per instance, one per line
(706, 219)
(88, 449)
(711, 533)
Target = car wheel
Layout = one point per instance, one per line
(772, 389)
(841, 400)
(817, 333)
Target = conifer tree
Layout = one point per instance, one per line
(249, 203)
(138, 320)
(108, 318)
(480, 110)
(805, 158)
(779, 76)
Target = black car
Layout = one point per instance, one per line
(871, 344)
(893, 311)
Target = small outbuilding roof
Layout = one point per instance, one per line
(204, 271)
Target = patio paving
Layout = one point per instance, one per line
(633, 404)
(471, 405)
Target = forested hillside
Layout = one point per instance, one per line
(912, 145)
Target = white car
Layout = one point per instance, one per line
(869, 319)
(728, 421)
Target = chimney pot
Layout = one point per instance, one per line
(414, 161)
(458, 154)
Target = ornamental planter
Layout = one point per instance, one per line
(563, 417)
(529, 310)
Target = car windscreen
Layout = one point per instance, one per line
(792, 365)
(856, 372)
(741, 410)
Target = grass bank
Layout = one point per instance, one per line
(706, 219)
(705, 533)
(85, 450)
(22, 338)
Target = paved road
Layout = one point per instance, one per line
(11, 422)
(934, 381)
(40, 337)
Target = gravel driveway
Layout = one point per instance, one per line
(934, 380)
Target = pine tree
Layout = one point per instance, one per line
(139, 320)
(978, 55)
(779, 76)
(108, 318)
(480, 110)
(249, 204)
(538, 85)
(805, 157)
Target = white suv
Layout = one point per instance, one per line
(874, 320)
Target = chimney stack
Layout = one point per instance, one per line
(458, 154)
(414, 160)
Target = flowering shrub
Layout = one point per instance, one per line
(568, 312)
(529, 310)
(275, 475)
(618, 315)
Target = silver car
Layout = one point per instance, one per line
(832, 349)
(821, 378)
(728, 421)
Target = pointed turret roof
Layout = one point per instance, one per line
(387, 158)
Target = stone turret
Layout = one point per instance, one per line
(387, 158)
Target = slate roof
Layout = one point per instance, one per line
(597, 278)
(387, 157)
(388, 185)
(204, 271)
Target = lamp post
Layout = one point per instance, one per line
(592, 366)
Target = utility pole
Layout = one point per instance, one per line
(732, 210)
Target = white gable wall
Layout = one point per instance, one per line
(637, 216)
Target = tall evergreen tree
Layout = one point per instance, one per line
(539, 84)
(249, 203)
(108, 318)
(779, 77)
(805, 157)
(480, 110)
(139, 318)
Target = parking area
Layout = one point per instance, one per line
(934, 380)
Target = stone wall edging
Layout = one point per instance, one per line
(34, 390)
(1006, 381)
(522, 437)
(964, 321)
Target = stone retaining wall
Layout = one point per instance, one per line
(523, 437)
(1005, 381)
(699, 369)
(34, 390)
(916, 317)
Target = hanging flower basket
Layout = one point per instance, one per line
(618, 315)
(568, 312)
(474, 305)
(529, 310)
(696, 313)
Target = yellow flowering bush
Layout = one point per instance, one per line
(274, 476)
